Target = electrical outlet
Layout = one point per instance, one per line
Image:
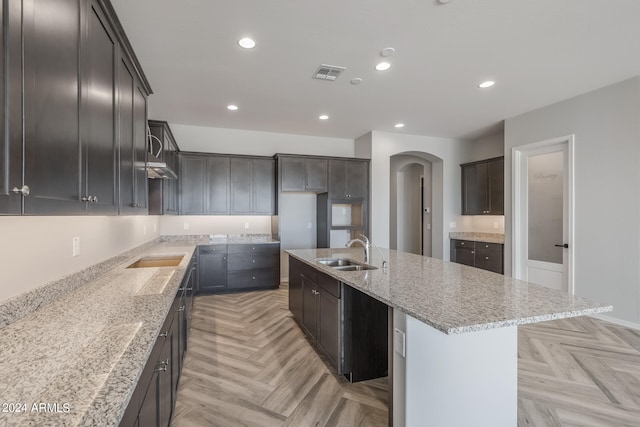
(495, 225)
(309, 225)
(186, 225)
(75, 244)
(453, 224)
(399, 342)
(246, 225)
(154, 228)
(144, 230)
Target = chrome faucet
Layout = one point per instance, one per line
(364, 242)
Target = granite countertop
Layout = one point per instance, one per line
(84, 352)
(452, 298)
(223, 239)
(476, 236)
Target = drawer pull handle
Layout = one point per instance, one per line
(164, 334)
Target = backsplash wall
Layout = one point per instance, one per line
(36, 250)
(214, 224)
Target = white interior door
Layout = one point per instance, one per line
(543, 215)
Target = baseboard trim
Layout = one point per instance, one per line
(617, 321)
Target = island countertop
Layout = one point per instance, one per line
(450, 297)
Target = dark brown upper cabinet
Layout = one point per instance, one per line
(349, 178)
(163, 193)
(213, 184)
(483, 187)
(252, 186)
(303, 174)
(60, 89)
(11, 109)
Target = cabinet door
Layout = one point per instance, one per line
(126, 84)
(329, 325)
(316, 175)
(165, 391)
(241, 185)
(496, 187)
(264, 175)
(474, 189)
(99, 114)
(148, 415)
(295, 288)
(357, 179)
(309, 309)
(337, 178)
(212, 270)
(11, 110)
(292, 174)
(218, 175)
(464, 252)
(140, 149)
(52, 107)
(193, 175)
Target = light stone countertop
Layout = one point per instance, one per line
(450, 297)
(88, 348)
(223, 239)
(477, 236)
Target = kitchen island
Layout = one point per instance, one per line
(454, 333)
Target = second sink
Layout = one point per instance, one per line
(344, 264)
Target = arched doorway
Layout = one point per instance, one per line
(414, 212)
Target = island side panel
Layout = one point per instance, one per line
(460, 380)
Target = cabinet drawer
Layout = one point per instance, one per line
(267, 278)
(489, 247)
(212, 249)
(307, 271)
(251, 261)
(489, 260)
(464, 244)
(251, 248)
(329, 284)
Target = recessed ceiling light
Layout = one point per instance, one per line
(383, 66)
(387, 51)
(232, 107)
(356, 81)
(247, 43)
(323, 117)
(399, 125)
(486, 84)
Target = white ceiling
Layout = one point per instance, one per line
(538, 52)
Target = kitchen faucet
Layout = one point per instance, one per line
(365, 243)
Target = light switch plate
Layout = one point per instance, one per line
(75, 244)
(186, 225)
(399, 343)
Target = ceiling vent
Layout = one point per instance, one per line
(328, 72)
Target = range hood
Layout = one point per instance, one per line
(157, 169)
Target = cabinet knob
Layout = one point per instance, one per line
(461, 243)
(24, 190)
(180, 309)
(486, 257)
(86, 199)
(253, 261)
(254, 277)
(472, 252)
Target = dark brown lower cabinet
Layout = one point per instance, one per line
(345, 325)
(487, 256)
(154, 397)
(238, 267)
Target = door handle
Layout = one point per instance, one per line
(564, 245)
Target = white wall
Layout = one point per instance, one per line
(382, 146)
(236, 141)
(606, 124)
(214, 224)
(37, 250)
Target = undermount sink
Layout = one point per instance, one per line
(355, 267)
(157, 261)
(336, 262)
(344, 264)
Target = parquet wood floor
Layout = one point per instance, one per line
(249, 364)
